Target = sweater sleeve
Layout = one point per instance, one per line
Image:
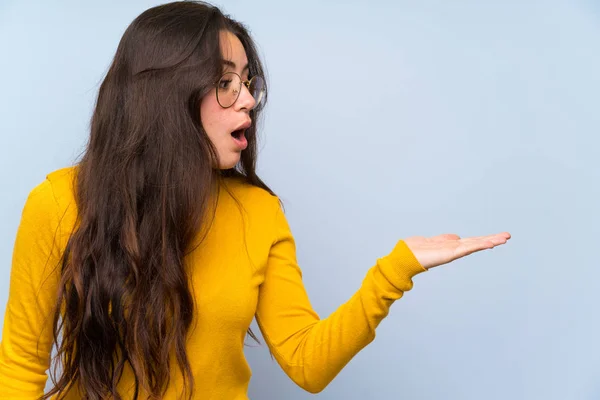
(312, 351)
(27, 330)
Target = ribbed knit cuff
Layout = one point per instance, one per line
(400, 266)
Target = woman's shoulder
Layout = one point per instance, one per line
(62, 183)
(250, 195)
(62, 178)
(57, 184)
(242, 186)
(49, 204)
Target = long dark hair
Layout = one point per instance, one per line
(144, 187)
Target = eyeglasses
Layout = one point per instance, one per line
(230, 86)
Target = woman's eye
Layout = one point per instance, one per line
(224, 84)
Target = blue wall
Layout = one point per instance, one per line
(385, 120)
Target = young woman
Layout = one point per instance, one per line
(146, 262)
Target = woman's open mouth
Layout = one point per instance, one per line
(239, 138)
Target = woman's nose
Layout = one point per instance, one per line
(245, 100)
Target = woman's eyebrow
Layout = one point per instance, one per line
(232, 64)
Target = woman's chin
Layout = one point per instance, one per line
(230, 162)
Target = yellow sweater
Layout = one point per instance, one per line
(232, 287)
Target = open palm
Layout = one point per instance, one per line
(442, 249)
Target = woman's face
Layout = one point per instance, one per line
(218, 122)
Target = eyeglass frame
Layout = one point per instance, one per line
(245, 83)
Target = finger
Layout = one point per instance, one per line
(504, 235)
(494, 240)
(472, 246)
(496, 236)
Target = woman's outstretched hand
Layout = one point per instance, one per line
(442, 249)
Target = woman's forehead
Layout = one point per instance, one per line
(233, 50)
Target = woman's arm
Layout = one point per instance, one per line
(312, 351)
(27, 331)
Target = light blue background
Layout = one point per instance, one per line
(386, 120)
